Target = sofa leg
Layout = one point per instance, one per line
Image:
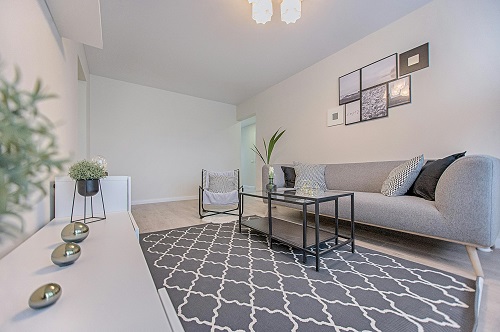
(474, 259)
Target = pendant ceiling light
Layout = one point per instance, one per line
(262, 10)
(291, 10)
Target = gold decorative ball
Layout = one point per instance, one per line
(66, 254)
(75, 232)
(45, 295)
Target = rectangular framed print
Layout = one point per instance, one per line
(335, 116)
(374, 103)
(414, 59)
(399, 92)
(349, 87)
(379, 72)
(352, 112)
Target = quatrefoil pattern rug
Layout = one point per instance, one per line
(221, 280)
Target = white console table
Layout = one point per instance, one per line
(108, 288)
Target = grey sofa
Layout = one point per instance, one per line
(466, 209)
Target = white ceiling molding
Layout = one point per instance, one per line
(78, 20)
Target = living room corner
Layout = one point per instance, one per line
(378, 208)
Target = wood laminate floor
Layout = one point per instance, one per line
(442, 255)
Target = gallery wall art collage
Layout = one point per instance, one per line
(368, 93)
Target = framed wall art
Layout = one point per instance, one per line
(335, 116)
(374, 103)
(379, 72)
(414, 59)
(352, 112)
(349, 87)
(399, 92)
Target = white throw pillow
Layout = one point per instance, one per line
(402, 177)
(313, 174)
(218, 183)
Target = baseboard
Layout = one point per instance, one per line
(163, 200)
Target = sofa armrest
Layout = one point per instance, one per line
(468, 197)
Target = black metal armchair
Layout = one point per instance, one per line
(219, 189)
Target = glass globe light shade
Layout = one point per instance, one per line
(291, 11)
(262, 10)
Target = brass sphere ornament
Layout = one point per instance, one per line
(66, 254)
(75, 232)
(45, 295)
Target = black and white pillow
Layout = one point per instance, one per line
(312, 174)
(402, 177)
(289, 173)
(219, 183)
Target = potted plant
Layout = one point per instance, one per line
(268, 148)
(28, 152)
(87, 175)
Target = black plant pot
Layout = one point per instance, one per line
(87, 187)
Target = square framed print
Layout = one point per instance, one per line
(353, 112)
(349, 87)
(335, 116)
(399, 92)
(379, 72)
(374, 103)
(414, 59)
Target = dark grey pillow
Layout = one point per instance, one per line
(426, 182)
(289, 173)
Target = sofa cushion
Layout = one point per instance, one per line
(313, 174)
(402, 177)
(426, 182)
(289, 173)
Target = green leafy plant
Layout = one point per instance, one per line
(87, 170)
(268, 148)
(28, 151)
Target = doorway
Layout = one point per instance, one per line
(248, 171)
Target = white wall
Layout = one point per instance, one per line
(29, 39)
(455, 102)
(160, 138)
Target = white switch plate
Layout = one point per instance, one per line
(335, 116)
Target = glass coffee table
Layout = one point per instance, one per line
(296, 235)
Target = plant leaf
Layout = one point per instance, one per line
(272, 142)
(258, 152)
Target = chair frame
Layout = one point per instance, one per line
(206, 212)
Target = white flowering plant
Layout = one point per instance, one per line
(271, 172)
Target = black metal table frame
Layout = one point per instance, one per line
(306, 200)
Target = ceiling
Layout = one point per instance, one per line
(213, 49)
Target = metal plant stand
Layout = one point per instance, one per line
(92, 218)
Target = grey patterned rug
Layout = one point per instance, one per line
(221, 280)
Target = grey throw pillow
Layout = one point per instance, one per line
(402, 177)
(218, 183)
(313, 174)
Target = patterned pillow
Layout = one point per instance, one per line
(219, 183)
(314, 174)
(402, 177)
